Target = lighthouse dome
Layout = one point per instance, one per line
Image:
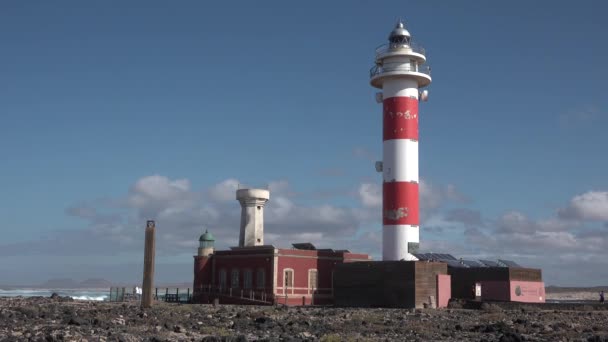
(399, 34)
(206, 237)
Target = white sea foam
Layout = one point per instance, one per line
(76, 294)
(98, 298)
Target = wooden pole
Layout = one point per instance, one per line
(148, 284)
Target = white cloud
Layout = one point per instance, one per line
(278, 209)
(115, 226)
(370, 195)
(157, 188)
(181, 214)
(590, 206)
(516, 222)
(279, 188)
(433, 196)
(224, 191)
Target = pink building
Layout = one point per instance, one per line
(501, 280)
(506, 284)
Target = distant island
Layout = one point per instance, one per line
(91, 283)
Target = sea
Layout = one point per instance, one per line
(76, 294)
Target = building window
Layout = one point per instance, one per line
(234, 279)
(247, 279)
(222, 278)
(313, 280)
(288, 280)
(260, 280)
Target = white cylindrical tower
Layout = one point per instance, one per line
(400, 73)
(252, 216)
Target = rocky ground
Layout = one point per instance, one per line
(61, 319)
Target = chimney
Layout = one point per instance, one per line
(252, 216)
(149, 251)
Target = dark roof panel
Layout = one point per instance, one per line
(420, 256)
(454, 263)
(490, 263)
(508, 263)
(473, 263)
(304, 245)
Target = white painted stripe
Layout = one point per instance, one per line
(395, 239)
(405, 87)
(400, 160)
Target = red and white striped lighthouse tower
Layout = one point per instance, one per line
(400, 73)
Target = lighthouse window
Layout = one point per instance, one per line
(411, 65)
(234, 279)
(247, 279)
(260, 280)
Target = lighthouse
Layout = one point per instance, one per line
(401, 73)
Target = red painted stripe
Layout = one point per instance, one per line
(400, 118)
(400, 203)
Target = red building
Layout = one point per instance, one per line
(265, 274)
(255, 273)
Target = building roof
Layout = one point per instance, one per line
(460, 263)
(206, 236)
(304, 245)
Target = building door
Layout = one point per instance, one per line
(288, 281)
(444, 290)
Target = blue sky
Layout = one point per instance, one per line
(114, 112)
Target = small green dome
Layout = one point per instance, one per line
(206, 237)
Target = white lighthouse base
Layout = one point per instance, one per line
(395, 241)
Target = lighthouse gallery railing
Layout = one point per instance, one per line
(377, 70)
(414, 47)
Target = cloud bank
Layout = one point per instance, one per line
(576, 234)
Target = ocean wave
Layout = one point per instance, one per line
(95, 298)
(75, 294)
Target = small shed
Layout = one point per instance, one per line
(515, 284)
